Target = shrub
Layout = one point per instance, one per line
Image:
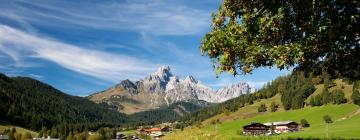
(327, 119)
(262, 108)
(273, 107)
(304, 123)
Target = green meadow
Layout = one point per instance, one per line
(346, 125)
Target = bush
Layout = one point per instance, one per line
(262, 108)
(327, 119)
(273, 106)
(338, 97)
(355, 96)
(304, 123)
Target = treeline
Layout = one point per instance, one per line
(169, 113)
(37, 106)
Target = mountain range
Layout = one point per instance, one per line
(162, 88)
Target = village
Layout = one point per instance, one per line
(156, 132)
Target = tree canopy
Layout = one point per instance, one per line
(310, 35)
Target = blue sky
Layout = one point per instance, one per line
(82, 47)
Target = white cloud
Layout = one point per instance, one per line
(157, 17)
(18, 45)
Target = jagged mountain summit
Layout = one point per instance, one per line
(162, 88)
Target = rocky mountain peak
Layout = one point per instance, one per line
(163, 88)
(127, 84)
(164, 73)
(191, 79)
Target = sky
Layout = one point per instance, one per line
(86, 46)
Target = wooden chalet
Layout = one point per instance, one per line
(256, 129)
(284, 127)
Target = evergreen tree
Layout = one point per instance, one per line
(70, 136)
(318, 100)
(326, 96)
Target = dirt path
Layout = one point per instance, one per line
(352, 114)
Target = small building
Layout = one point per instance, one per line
(284, 127)
(166, 129)
(4, 137)
(142, 131)
(256, 129)
(120, 136)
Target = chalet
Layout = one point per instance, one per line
(256, 129)
(284, 127)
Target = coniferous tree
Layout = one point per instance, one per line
(326, 96)
(70, 136)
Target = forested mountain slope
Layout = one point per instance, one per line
(32, 104)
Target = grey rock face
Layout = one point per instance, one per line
(172, 89)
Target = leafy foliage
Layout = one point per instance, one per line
(304, 123)
(338, 97)
(355, 96)
(273, 107)
(327, 119)
(310, 35)
(262, 108)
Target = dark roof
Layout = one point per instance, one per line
(281, 123)
(256, 126)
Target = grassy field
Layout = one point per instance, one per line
(346, 124)
(18, 129)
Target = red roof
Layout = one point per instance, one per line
(155, 129)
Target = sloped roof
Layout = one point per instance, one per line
(278, 123)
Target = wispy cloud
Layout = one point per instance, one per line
(158, 17)
(107, 66)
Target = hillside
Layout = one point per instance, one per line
(345, 124)
(32, 104)
(223, 121)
